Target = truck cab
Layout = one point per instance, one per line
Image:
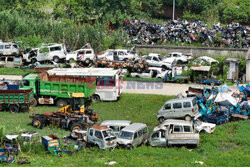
(102, 137)
(29, 81)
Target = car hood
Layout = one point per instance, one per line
(123, 141)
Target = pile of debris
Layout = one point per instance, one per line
(143, 32)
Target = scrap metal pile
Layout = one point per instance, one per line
(220, 105)
(143, 32)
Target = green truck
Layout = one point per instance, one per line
(52, 89)
(16, 100)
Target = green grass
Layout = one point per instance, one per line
(227, 146)
(15, 71)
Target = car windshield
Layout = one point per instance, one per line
(107, 133)
(126, 135)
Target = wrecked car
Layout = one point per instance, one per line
(186, 108)
(133, 135)
(204, 127)
(102, 137)
(174, 132)
(11, 61)
(76, 137)
(205, 59)
(155, 60)
(116, 125)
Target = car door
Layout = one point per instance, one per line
(177, 110)
(42, 54)
(167, 110)
(7, 49)
(91, 136)
(121, 55)
(175, 134)
(98, 138)
(187, 107)
(158, 139)
(156, 61)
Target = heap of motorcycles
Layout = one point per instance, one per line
(143, 32)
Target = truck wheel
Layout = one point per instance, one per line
(187, 118)
(161, 119)
(56, 59)
(38, 123)
(34, 103)
(96, 98)
(13, 108)
(76, 126)
(61, 102)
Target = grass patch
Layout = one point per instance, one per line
(227, 146)
(15, 71)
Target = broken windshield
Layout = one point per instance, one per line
(126, 135)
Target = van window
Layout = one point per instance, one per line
(155, 59)
(178, 128)
(187, 129)
(120, 53)
(10, 59)
(56, 48)
(155, 135)
(91, 132)
(88, 52)
(15, 46)
(148, 58)
(115, 128)
(145, 130)
(98, 134)
(167, 106)
(186, 104)
(44, 50)
(177, 105)
(3, 58)
(7, 46)
(1, 46)
(135, 135)
(140, 132)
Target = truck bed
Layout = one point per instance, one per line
(12, 96)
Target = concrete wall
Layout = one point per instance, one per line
(196, 51)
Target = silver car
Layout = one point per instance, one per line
(133, 135)
(186, 108)
(116, 125)
(9, 48)
(174, 132)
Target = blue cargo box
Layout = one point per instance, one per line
(13, 86)
(51, 142)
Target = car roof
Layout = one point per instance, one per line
(180, 99)
(134, 127)
(116, 122)
(172, 121)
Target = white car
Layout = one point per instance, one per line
(205, 59)
(9, 48)
(54, 52)
(144, 74)
(81, 55)
(117, 54)
(154, 60)
(159, 72)
(204, 126)
(180, 57)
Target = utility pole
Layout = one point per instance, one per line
(173, 8)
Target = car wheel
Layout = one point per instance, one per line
(38, 123)
(34, 102)
(187, 118)
(76, 126)
(164, 67)
(13, 109)
(56, 59)
(179, 62)
(33, 60)
(161, 119)
(96, 98)
(129, 147)
(61, 102)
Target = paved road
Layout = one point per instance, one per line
(160, 88)
(143, 87)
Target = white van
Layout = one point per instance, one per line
(133, 135)
(186, 108)
(9, 48)
(116, 125)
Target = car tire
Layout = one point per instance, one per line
(13, 109)
(164, 67)
(161, 119)
(129, 147)
(38, 123)
(179, 62)
(56, 59)
(61, 102)
(34, 102)
(96, 98)
(188, 118)
(76, 126)
(33, 60)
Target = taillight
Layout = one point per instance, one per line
(192, 109)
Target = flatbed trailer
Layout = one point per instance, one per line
(16, 100)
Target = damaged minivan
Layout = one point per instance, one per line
(174, 132)
(132, 136)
